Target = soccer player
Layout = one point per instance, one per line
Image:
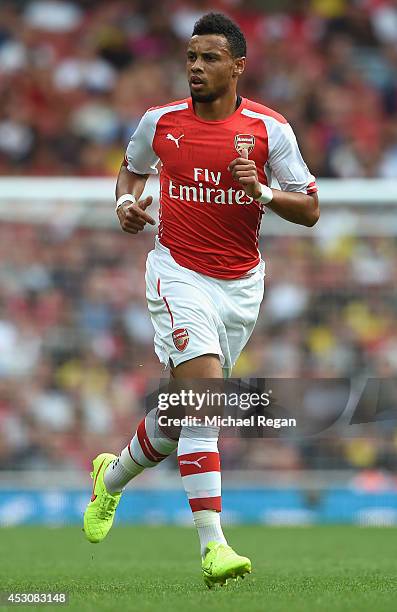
(205, 276)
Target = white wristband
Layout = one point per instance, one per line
(127, 197)
(266, 195)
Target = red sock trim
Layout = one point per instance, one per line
(206, 503)
(199, 463)
(146, 446)
(134, 460)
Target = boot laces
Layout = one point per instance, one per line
(107, 506)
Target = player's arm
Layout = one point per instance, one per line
(299, 208)
(130, 182)
(140, 161)
(297, 201)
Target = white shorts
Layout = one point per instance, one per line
(195, 315)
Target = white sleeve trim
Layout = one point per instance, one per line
(285, 161)
(140, 156)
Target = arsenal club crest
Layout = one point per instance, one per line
(180, 338)
(244, 141)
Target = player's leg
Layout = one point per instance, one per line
(147, 448)
(190, 333)
(198, 456)
(239, 302)
(199, 465)
(150, 444)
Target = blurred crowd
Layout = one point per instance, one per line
(76, 346)
(76, 76)
(76, 341)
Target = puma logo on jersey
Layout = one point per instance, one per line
(185, 462)
(176, 140)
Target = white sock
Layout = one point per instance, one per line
(116, 475)
(209, 528)
(148, 448)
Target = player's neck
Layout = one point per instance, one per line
(220, 109)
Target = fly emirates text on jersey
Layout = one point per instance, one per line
(204, 194)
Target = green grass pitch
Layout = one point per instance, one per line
(303, 569)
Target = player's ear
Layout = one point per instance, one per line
(239, 66)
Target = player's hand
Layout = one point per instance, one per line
(244, 172)
(133, 217)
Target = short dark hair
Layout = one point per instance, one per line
(217, 23)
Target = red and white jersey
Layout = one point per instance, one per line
(207, 221)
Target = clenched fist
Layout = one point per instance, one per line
(244, 172)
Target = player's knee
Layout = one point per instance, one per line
(203, 366)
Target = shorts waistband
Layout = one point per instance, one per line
(163, 249)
